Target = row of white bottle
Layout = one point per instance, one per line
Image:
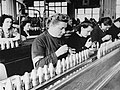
(8, 44)
(107, 47)
(41, 75)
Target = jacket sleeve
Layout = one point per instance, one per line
(46, 60)
(38, 49)
(95, 36)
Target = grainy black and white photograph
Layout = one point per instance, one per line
(59, 44)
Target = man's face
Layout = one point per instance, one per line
(59, 29)
(86, 31)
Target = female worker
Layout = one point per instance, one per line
(7, 30)
(48, 47)
(99, 33)
(114, 30)
(81, 39)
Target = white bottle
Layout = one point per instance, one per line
(63, 64)
(7, 44)
(67, 63)
(2, 45)
(85, 54)
(16, 44)
(99, 53)
(34, 77)
(74, 59)
(46, 77)
(18, 83)
(12, 44)
(9, 85)
(51, 70)
(40, 74)
(77, 58)
(26, 80)
(80, 57)
(58, 67)
(71, 60)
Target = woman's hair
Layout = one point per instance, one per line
(23, 23)
(93, 21)
(3, 17)
(54, 19)
(105, 20)
(85, 24)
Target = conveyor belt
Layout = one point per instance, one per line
(82, 79)
(89, 74)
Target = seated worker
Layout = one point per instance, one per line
(7, 30)
(69, 29)
(114, 30)
(29, 31)
(81, 39)
(25, 28)
(99, 33)
(48, 47)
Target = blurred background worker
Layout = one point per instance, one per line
(7, 30)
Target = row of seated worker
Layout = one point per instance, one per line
(11, 30)
(58, 41)
(29, 29)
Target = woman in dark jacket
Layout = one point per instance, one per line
(99, 33)
(81, 39)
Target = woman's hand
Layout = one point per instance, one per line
(72, 50)
(62, 50)
(88, 43)
(106, 37)
(118, 35)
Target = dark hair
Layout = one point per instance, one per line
(23, 23)
(105, 20)
(118, 19)
(57, 17)
(3, 17)
(78, 21)
(93, 21)
(87, 23)
(84, 24)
